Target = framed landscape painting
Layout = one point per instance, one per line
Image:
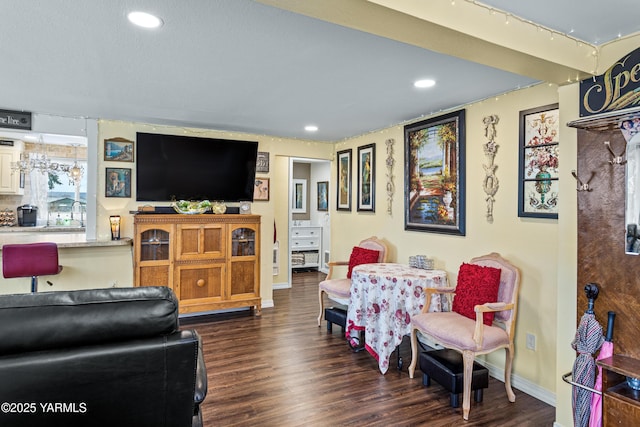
(435, 174)
(118, 150)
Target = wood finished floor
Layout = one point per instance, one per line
(281, 370)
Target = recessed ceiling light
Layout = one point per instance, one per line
(146, 20)
(424, 83)
(311, 128)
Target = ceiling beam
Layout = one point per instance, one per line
(464, 30)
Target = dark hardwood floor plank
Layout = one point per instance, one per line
(280, 369)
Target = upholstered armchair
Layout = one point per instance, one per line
(100, 357)
(482, 320)
(338, 289)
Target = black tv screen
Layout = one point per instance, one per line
(171, 167)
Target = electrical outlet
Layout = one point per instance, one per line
(531, 341)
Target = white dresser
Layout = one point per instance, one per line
(306, 244)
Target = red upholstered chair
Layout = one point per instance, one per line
(30, 260)
(338, 289)
(479, 335)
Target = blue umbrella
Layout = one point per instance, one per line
(588, 340)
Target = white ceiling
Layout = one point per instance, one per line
(242, 65)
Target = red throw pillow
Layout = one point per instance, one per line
(361, 256)
(476, 285)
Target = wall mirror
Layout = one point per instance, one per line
(632, 192)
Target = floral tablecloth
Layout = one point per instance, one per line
(384, 296)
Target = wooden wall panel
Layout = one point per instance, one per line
(601, 237)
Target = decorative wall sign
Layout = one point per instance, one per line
(118, 150)
(390, 186)
(15, 119)
(617, 89)
(262, 162)
(118, 182)
(344, 180)
(367, 178)
(261, 190)
(490, 184)
(539, 156)
(435, 174)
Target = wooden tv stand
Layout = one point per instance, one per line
(212, 262)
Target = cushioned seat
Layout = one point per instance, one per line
(339, 289)
(482, 320)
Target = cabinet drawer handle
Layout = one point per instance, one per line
(200, 283)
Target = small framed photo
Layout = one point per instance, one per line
(262, 162)
(344, 180)
(323, 196)
(118, 182)
(261, 190)
(118, 150)
(366, 178)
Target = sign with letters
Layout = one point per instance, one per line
(15, 119)
(617, 89)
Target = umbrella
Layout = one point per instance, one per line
(605, 351)
(587, 341)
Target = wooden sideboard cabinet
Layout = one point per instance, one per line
(211, 262)
(621, 403)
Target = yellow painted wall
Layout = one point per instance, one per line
(530, 243)
(276, 147)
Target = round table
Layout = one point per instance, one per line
(384, 296)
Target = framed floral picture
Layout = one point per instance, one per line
(344, 180)
(434, 174)
(366, 178)
(539, 149)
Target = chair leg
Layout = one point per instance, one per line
(414, 351)
(34, 284)
(507, 373)
(321, 302)
(467, 358)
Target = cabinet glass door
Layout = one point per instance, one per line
(243, 242)
(154, 245)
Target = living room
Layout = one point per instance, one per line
(545, 249)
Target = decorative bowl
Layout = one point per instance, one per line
(634, 383)
(191, 208)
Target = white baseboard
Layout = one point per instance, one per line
(522, 384)
(267, 303)
(282, 285)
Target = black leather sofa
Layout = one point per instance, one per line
(102, 357)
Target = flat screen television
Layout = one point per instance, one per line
(172, 167)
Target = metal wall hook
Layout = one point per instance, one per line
(583, 186)
(615, 159)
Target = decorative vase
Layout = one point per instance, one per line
(447, 199)
(543, 183)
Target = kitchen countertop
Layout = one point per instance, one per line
(64, 239)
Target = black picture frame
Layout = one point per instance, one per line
(117, 182)
(323, 196)
(434, 174)
(538, 175)
(344, 180)
(366, 178)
